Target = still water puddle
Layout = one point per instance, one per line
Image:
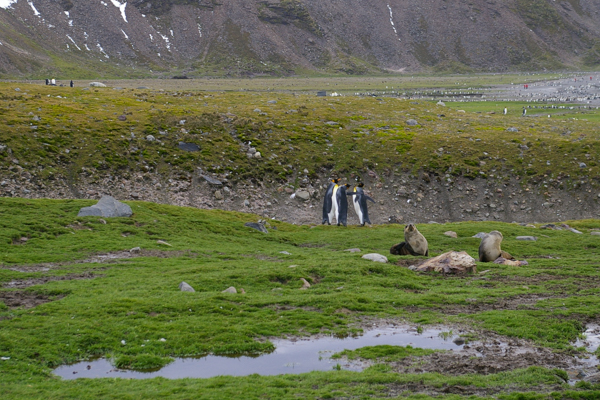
(289, 357)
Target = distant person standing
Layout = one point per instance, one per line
(71, 84)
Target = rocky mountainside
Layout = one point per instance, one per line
(89, 38)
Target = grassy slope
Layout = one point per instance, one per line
(78, 135)
(138, 299)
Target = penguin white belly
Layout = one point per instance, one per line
(358, 210)
(334, 206)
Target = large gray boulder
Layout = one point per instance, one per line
(107, 206)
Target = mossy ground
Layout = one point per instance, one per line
(60, 131)
(137, 300)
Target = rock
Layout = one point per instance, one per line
(272, 101)
(453, 262)
(246, 203)
(188, 146)
(97, 84)
(479, 235)
(218, 195)
(582, 165)
(303, 195)
(122, 118)
(412, 122)
(551, 226)
(242, 291)
(256, 225)
(567, 227)
(184, 287)
(163, 243)
(211, 180)
(451, 234)
(514, 263)
(375, 257)
(459, 341)
(530, 238)
(441, 103)
(287, 253)
(305, 284)
(595, 233)
(355, 250)
(135, 250)
(332, 123)
(230, 289)
(257, 155)
(106, 207)
(150, 138)
(512, 129)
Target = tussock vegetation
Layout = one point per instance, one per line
(55, 131)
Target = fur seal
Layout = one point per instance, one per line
(329, 201)
(414, 243)
(360, 203)
(489, 249)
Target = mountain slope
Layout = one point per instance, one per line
(233, 37)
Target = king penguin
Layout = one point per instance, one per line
(329, 202)
(360, 203)
(341, 214)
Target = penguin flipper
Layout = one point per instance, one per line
(369, 198)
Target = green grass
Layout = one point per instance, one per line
(138, 300)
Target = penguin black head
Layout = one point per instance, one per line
(360, 184)
(335, 180)
(347, 185)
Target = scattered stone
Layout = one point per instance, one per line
(188, 146)
(582, 165)
(459, 341)
(272, 101)
(230, 289)
(257, 225)
(287, 253)
(441, 103)
(150, 138)
(106, 207)
(305, 284)
(479, 235)
(163, 243)
(242, 291)
(595, 233)
(412, 122)
(514, 263)
(333, 123)
(551, 226)
(567, 227)
(453, 262)
(246, 203)
(303, 195)
(218, 195)
(97, 84)
(184, 287)
(451, 234)
(356, 250)
(102, 221)
(375, 257)
(530, 238)
(135, 250)
(257, 155)
(122, 118)
(512, 129)
(211, 180)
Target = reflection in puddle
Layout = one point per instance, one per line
(289, 357)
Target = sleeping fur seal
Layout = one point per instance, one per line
(414, 243)
(489, 249)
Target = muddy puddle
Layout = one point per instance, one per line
(289, 357)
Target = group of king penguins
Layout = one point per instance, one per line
(335, 203)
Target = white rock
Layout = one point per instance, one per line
(375, 257)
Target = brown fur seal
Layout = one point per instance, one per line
(414, 243)
(489, 249)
